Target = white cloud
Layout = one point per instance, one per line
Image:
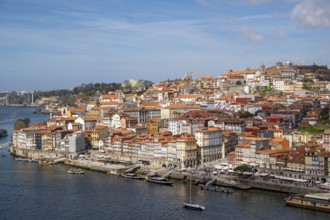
(258, 17)
(249, 34)
(245, 2)
(281, 33)
(259, 2)
(314, 13)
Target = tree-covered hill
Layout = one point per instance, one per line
(85, 91)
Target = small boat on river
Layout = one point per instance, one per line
(25, 160)
(193, 206)
(219, 189)
(45, 162)
(190, 205)
(75, 171)
(3, 133)
(159, 180)
(132, 176)
(315, 201)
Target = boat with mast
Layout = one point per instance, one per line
(190, 205)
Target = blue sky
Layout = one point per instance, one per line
(60, 44)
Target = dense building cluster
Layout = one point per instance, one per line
(274, 118)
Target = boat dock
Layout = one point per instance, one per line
(316, 201)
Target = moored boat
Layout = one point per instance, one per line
(159, 180)
(193, 206)
(45, 162)
(219, 189)
(26, 160)
(190, 205)
(3, 133)
(315, 201)
(132, 176)
(75, 171)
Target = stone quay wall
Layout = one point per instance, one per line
(280, 187)
(36, 154)
(227, 181)
(153, 162)
(97, 166)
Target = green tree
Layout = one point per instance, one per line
(307, 80)
(243, 168)
(325, 113)
(306, 86)
(266, 91)
(245, 114)
(311, 130)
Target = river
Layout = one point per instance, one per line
(31, 191)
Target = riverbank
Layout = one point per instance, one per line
(246, 184)
(232, 181)
(223, 180)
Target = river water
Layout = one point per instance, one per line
(31, 191)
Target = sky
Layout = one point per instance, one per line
(60, 44)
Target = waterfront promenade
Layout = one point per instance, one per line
(198, 175)
(233, 181)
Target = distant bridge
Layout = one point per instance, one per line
(18, 99)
